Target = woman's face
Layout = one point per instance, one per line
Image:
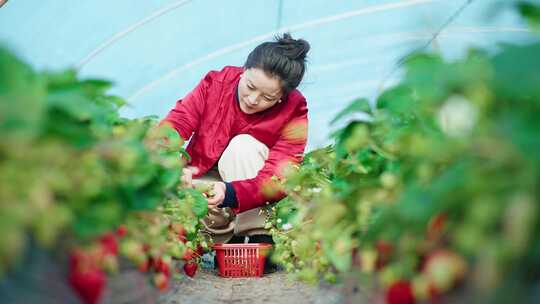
(258, 91)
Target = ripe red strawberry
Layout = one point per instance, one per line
(400, 292)
(161, 281)
(109, 244)
(88, 284)
(200, 250)
(163, 267)
(121, 231)
(190, 269)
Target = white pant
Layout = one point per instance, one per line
(243, 158)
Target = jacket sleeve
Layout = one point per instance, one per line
(263, 188)
(187, 113)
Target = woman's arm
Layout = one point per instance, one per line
(187, 113)
(256, 192)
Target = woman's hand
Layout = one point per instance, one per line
(219, 195)
(187, 176)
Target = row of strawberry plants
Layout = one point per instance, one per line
(436, 194)
(78, 180)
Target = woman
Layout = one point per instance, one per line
(246, 125)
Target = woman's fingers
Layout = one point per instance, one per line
(216, 199)
(219, 195)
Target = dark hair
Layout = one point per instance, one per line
(285, 58)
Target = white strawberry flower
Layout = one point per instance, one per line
(286, 226)
(457, 116)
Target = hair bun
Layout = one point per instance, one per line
(285, 58)
(294, 49)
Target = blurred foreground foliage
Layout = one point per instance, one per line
(440, 186)
(70, 166)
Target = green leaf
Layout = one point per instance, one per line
(200, 204)
(200, 207)
(170, 178)
(95, 87)
(101, 217)
(339, 248)
(22, 92)
(357, 105)
(73, 102)
(61, 79)
(399, 99)
(518, 62)
(184, 153)
(531, 12)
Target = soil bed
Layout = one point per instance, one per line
(209, 287)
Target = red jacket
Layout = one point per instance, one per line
(212, 115)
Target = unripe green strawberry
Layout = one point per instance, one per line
(443, 269)
(421, 288)
(368, 259)
(175, 251)
(205, 188)
(389, 275)
(133, 251)
(388, 180)
(161, 281)
(110, 263)
(330, 277)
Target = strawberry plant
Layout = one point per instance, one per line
(69, 163)
(72, 171)
(154, 241)
(438, 187)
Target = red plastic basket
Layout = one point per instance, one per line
(241, 260)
